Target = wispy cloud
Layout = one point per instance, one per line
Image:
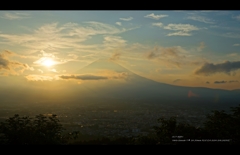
(167, 52)
(40, 70)
(183, 29)
(115, 56)
(231, 81)
(126, 19)
(231, 35)
(152, 55)
(41, 77)
(226, 67)
(180, 33)
(158, 24)
(55, 37)
(118, 23)
(156, 17)
(15, 15)
(236, 17)
(201, 19)
(201, 46)
(113, 43)
(236, 44)
(175, 56)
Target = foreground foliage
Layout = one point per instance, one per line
(26, 130)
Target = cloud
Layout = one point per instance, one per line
(74, 56)
(103, 75)
(180, 33)
(83, 77)
(158, 24)
(220, 82)
(114, 43)
(115, 56)
(201, 46)
(225, 67)
(118, 23)
(15, 15)
(12, 66)
(41, 78)
(53, 70)
(174, 56)
(236, 17)
(231, 35)
(151, 55)
(57, 37)
(207, 82)
(126, 19)
(233, 55)
(156, 17)
(172, 52)
(40, 70)
(201, 19)
(231, 81)
(183, 29)
(236, 44)
(191, 94)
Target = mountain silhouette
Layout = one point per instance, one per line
(137, 87)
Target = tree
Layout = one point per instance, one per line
(220, 125)
(25, 130)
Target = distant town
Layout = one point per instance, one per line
(110, 120)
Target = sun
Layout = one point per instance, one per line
(48, 62)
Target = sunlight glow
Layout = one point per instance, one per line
(48, 62)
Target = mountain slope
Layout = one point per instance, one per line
(136, 87)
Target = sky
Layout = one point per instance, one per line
(185, 48)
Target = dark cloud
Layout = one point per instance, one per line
(233, 81)
(151, 55)
(83, 77)
(4, 63)
(9, 65)
(220, 82)
(172, 51)
(207, 82)
(115, 56)
(225, 67)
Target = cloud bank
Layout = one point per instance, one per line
(226, 67)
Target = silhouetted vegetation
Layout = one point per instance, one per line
(26, 130)
(218, 127)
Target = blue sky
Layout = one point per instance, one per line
(189, 48)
